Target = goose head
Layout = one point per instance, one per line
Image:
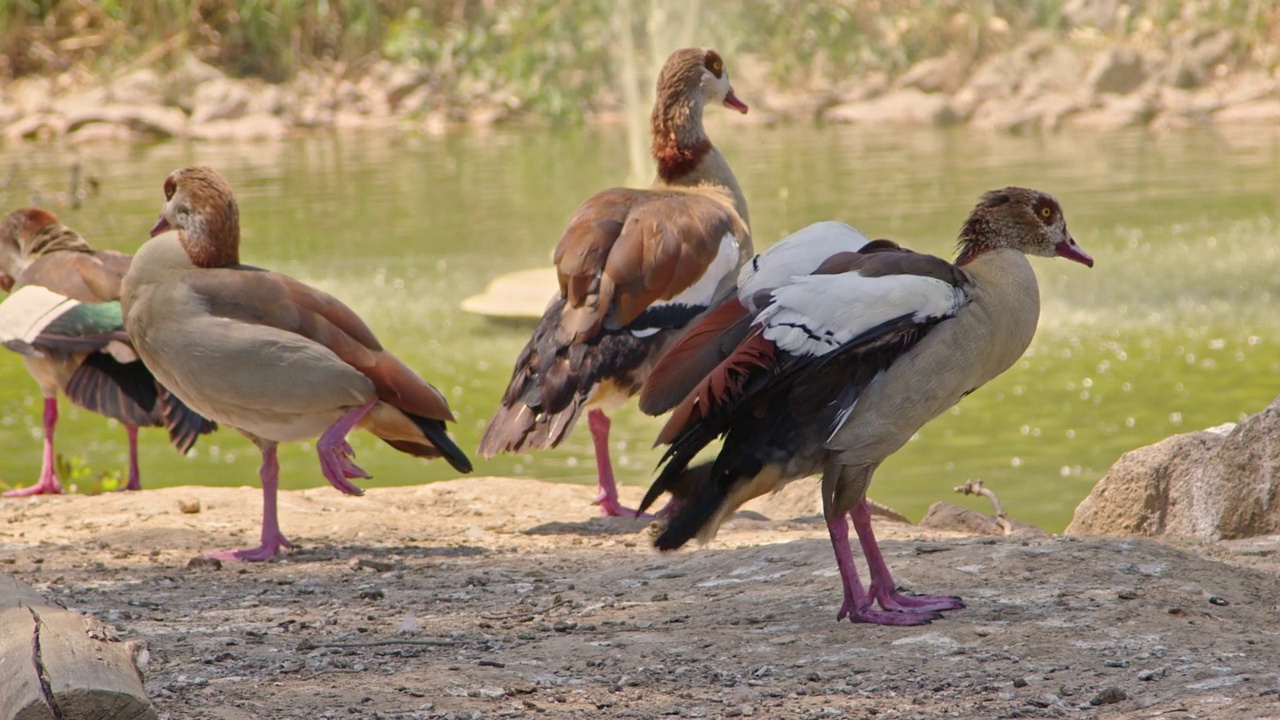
(199, 205)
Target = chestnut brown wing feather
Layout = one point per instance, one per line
(87, 277)
(626, 249)
(267, 298)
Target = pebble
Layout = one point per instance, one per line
(1110, 696)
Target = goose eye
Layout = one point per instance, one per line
(1046, 212)
(170, 187)
(714, 63)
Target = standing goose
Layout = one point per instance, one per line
(64, 317)
(842, 366)
(266, 354)
(635, 266)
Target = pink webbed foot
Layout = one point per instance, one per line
(610, 507)
(272, 538)
(336, 453)
(269, 548)
(895, 601)
(47, 485)
(883, 589)
(857, 606)
(866, 614)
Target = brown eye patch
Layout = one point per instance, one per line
(170, 187)
(1048, 209)
(714, 63)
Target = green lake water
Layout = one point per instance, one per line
(1174, 330)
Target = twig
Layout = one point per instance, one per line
(528, 613)
(885, 511)
(308, 645)
(974, 487)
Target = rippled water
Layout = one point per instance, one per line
(1175, 329)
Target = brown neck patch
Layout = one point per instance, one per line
(970, 252)
(676, 161)
(213, 240)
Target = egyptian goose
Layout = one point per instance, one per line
(635, 266)
(64, 317)
(266, 354)
(841, 366)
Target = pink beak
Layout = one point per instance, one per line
(1071, 251)
(732, 101)
(6, 282)
(160, 227)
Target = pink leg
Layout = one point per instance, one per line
(883, 589)
(135, 480)
(272, 538)
(857, 602)
(336, 453)
(599, 424)
(48, 483)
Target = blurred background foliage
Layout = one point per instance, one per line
(554, 57)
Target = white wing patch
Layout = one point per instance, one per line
(799, 253)
(816, 314)
(703, 290)
(27, 312)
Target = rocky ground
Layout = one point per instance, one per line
(1042, 83)
(495, 598)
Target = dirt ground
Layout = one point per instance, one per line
(499, 598)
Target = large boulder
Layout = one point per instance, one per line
(1221, 483)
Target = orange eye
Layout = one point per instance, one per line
(169, 188)
(1045, 212)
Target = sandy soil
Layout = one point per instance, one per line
(497, 598)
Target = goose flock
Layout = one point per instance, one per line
(822, 355)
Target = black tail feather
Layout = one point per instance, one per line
(124, 391)
(183, 424)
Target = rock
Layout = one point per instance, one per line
(902, 107)
(258, 126)
(152, 120)
(1261, 112)
(403, 81)
(1120, 69)
(220, 99)
(9, 110)
(1003, 75)
(180, 86)
(798, 499)
(39, 127)
(1045, 112)
(1116, 111)
(1196, 54)
(1110, 696)
(80, 102)
(1135, 495)
(1105, 15)
(140, 87)
(945, 516)
(100, 132)
(1182, 108)
(1214, 484)
(935, 75)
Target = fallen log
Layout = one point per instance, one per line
(60, 665)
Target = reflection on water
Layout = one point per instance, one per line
(1173, 330)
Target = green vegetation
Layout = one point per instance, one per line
(550, 57)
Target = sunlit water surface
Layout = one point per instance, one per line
(1174, 330)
